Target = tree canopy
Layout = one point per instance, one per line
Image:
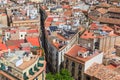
(62, 75)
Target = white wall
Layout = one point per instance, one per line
(23, 35)
(97, 59)
(7, 35)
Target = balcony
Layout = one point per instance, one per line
(31, 72)
(39, 64)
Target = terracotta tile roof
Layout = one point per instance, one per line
(0, 40)
(47, 24)
(106, 28)
(109, 20)
(117, 77)
(73, 53)
(105, 5)
(68, 13)
(102, 10)
(102, 72)
(66, 6)
(3, 47)
(13, 47)
(105, 73)
(58, 23)
(34, 41)
(11, 31)
(74, 50)
(93, 69)
(93, 26)
(13, 44)
(110, 66)
(49, 19)
(116, 10)
(117, 69)
(87, 35)
(3, 14)
(32, 31)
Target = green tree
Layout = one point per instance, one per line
(50, 76)
(62, 75)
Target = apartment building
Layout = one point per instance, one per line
(20, 33)
(25, 15)
(22, 59)
(22, 65)
(78, 59)
(99, 36)
(62, 31)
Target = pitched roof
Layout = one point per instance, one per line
(106, 28)
(68, 13)
(74, 50)
(102, 72)
(33, 31)
(87, 35)
(3, 46)
(14, 44)
(101, 10)
(116, 10)
(34, 41)
(93, 26)
(66, 6)
(73, 53)
(108, 20)
(105, 5)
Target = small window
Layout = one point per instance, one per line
(21, 35)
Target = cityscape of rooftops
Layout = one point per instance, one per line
(59, 39)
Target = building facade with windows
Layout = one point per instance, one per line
(78, 59)
(22, 65)
(25, 15)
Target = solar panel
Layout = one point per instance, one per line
(53, 28)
